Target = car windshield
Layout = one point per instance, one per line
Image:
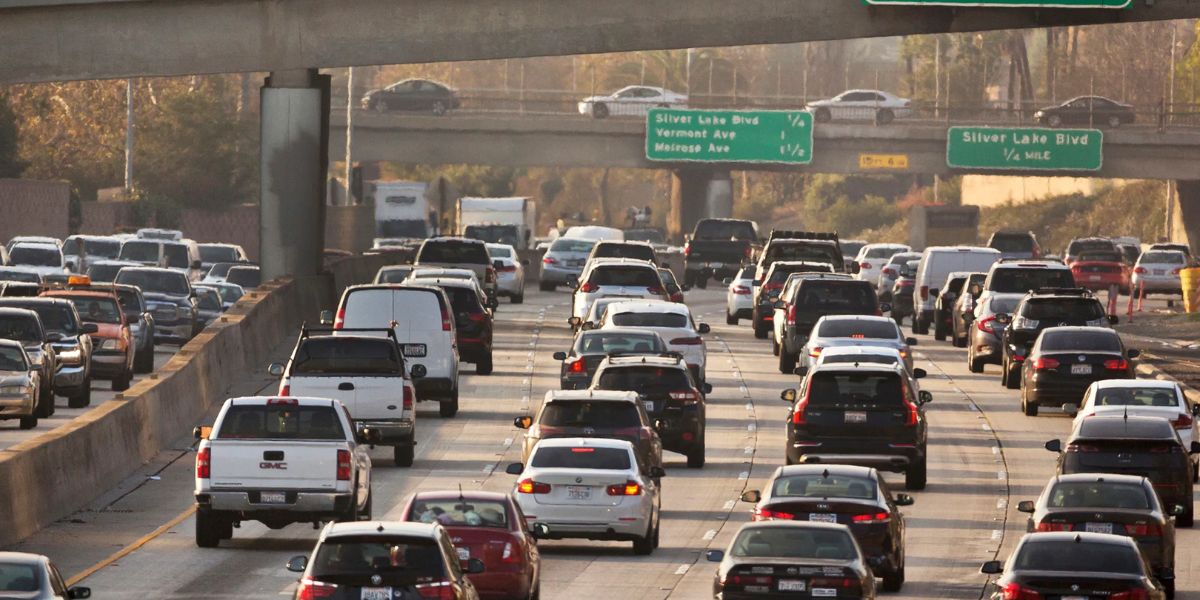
(1079, 341)
(18, 275)
(643, 379)
(572, 245)
(1163, 258)
(834, 389)
(638, 251)
(903, 257)
(229, 293)
(216, 254)
(221, 269)
(281, 422)
(208, 299)
(55, 317)
(396, 275)
(1072, 556)
(650, 319)
(98, 248)
(1081, 246)
(247, 277)
(378, 560)
(35, 256)
(453, 252)
(343, 356)
(104, 273)
(496, 234)
(1095, 494)
(1027, 279)
(599, 342)
(884, 252)
(818, 485)
(724, 230)
(587, 457)
(1002, 305)
(599, 414)
(161, 282)
(499, 252)
(19, 328)
(1136, 396)
(858, 329)
(627, 276)
(1019, 242)
(460, 512)
(139, 251)
(19, 578)
(1061, 309)
(11, 360)
(837, 296)
(97, 310)
(177, 256)
(794, 542)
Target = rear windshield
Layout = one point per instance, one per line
(208, 298)
(650, 319)
(320, 356)
(393, 275)
(836, 295)
(229, 293)
(1092, 494)
(1080, 246)
(464, 300)
(247, 277)
(724, 230)
(818, 486)
(600, 414)
(16, 275)
(572, 245)
(457, 512)
(99, 248)
(1002, 305)
(624, 276)
(55, 317)
(97, 310)
(499, 252)
(858, 329)
(624, 251)
(903, 257)
(851, 248)
(806, 251)
(104, 273)
(1163, 258)
(779, 273)
(1012, 242)
(643, 379)
(35, 257)
(399, 561)
(281, 422)
(495, 234)
(221, 269)
(216, 254)
(161, 282)
(1061, 309)
(12, 360)
(1068, 555)
(884, 252)
(588, 457)
(1022, 280)
(140, 251)
(1082, 341)
(644, 235)
(1135, 396)
(599, 342)
(19, 328)
(453, 252)
(1101, 257)
(19, 578)
(838, 389)
(790, 542)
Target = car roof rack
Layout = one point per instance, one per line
(306, 330)
(792, 234)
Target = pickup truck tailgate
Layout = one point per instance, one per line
(282, 465)
(367, 398)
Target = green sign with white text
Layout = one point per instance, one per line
(737, 136)
(1025, 149)
(1009, 3)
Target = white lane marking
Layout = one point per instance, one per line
(749, 406)
(710, 534)
(730, 504)
(682, 570)
(749, 449)
(751, 427)
(525, 381)
(996, 534)
(1001, 475)
(986, 427)
(507, 442)
(995, 449)
(1001, 503)
(744, 475)
(489, 468)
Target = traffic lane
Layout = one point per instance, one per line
(11, 434)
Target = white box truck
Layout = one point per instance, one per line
(498, 220)
(401, 209)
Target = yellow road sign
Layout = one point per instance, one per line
(882, 161)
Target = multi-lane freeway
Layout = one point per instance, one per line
(136, 541)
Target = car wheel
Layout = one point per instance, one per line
(84, 397)
(657, 532)
(822, 115)
(484, 366)
(45, 402)
(1012, 380)
(730, 319)
(1169, 588)
(774, 344)
(448, 407)
(1187, 519)
(29, 422)
(546, 286)
(939, 332)
(915, 477)
(894, 580)
(379, 106)
(787, 360)
(403, 454)
(960, 341)
(1029, 407)
(644, 546)
(143, 362)
(518, 299)
(760, 330)
(884, 116)
(1114, 121)
(695, 455)
(1054, 121)
(208, 534)
(974, 365)
(121, 382)
(439, 107)
(599, 110)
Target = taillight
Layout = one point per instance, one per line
(763, 514)
(408, 397)
(510, 554)
(749, 252)
(913, 416)
(1177, 270)
(310, 589)
(1116, 364)
(446, 318)
(343, 465)
(529, 486)
(340, 320)
(655, 289)
(1139, 270)
(576, 366)
(1082, 448)
(741, 290)
(629, 488)
(687, 249)
(204, 463)
(283, 402)
(864, 266)
(478, 317)
(688, 397)
(1133, 594)
(879, 517)
(888, 272)
(1183, 420)
(748, 580)
(1045, 364)
(1014, 591)
(588, 287)
(791, 314)
(798, 417)
(924, 292)
(508, 269)
(1045, 526)
(285, 389)
(815, 352)
(549, 261)
(489, 276)
(687, 341)
(1143, 529)
(435, 590)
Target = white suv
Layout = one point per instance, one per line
(623, 277)
(671, 320)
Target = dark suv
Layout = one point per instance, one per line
(767, 291)
(818, 295)
(473, 324)
(808, 246)
(866, 414)
(672, 399)
(592, 346)
(1038, 310)
(1064, 361)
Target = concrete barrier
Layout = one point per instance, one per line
(54, 474)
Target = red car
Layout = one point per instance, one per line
(1100, 270)
(488, 526)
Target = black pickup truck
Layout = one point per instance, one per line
(718, 248)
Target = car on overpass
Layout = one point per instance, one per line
(416, 95)
(633, 101)
(861, 105)
(1089, 111)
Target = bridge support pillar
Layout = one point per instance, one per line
(294, 155)
(698, 194)
(1185, 213)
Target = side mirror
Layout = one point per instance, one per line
(925, 397)
(885, 307)
(1178, 509)
(801, 371)
(665, 265)
(788, 395)
(1133, 353)
(904, 500)
(560, 355)
(910, 341)
(704, 328)
(659, 424)
(202, 432)
(573, 282)
(418, 371)
(1194, 448)
(992, 567)
(523, 422)
(933, 293)
(756, 283)
(89, 328)
(275, 370)
(1025, 506)
(752, 496)
(326, 317)
(780, 304)
(919, 373)
(79, 592)
(876, 561)
(1055, 446)
(706, 387)
(493, 302)
(1113, 319)
(587, 326)
(855, 268)
(475, 566)
(1196, 410)
(657, 472)
(727, 281)
(1071, 409)
(540, 530)
(297, 564)
(714, 555)
(574, 322)
(1004, 318)
(514, 469)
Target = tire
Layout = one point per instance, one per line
(1029, 407)
(884, 116)
(546, 286)
(919, 325)
(695, 456)
(1169, 588)
(448, 407)
(29, 422)
(893, 581)
(121, 383)
(787, 361)
(484, 366)
(702, 283)
(939, 332)
(352, 514)
(730, 319)
(657, 533)
(403, 455)
(916, 476)
(760, 330)
(143, 362)
(599, 110)
(208, 534)
(45, 403)
(774, 345)
(822, 115)
(365, 514)
(1011, 380)
(84, 397)
(974, 365)
(959, 342)
(644, 546)
(518, 299)
(439, 108)
(1188, 518)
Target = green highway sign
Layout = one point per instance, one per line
(1009, 3)
(737, 136)
(1025, 148)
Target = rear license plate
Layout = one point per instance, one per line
(822, 517)
(414, 349)
(1093, 278)
(856, 417)
(1081, 369)
(824, 592)
(1159, 272)
(463, 554)
(649, 404)
(376, 593)
(272, 497)
(792, 585)
(1099, 528)
(575, 492)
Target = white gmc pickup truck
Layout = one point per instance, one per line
(279, 460)
(364, 369)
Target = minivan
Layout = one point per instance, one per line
(937, 263)
(423, 320)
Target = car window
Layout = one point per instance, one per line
(1001, 305)
(247, 277)
(19, 328)
(1079, 341)
(884, 252)
(833, 389)
(832, 295)
(455, 512)
(600, 342)
(587, 457)
(139, 251)
(99, 248)
(453, 252)
(215, 254)
(1068, 555)
(35, 256)
(281, 422)
(818, 486)
(317, 356)
(499, 252)
(802, 251)
(643, 379)
(1062, 309)
(1079, 246)
(397, 561)
(229, 293)
(162, 282)
(495, 234)
(1131, 396)
(650, 319)
(1022, 280)
(1168, 258)
(16, 577)
(622, 275)
(17, 275)
(779, 273)
(789, 542)
(1091, 494)
(11, 359)
(463, 300)
(586, 413)
(97, 310)
(131, 302)
(724, 230)
(858, 329)
(208, 299)
(572, 245)
(1012, 243)
(394, 275)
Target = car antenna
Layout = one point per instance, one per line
(461, 499)
(1078, 538)
(825, 474)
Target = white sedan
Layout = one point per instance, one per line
(856, 330)
(1158, 271)
(1142, 398)
(590, 488)
(739, 300)
(671, 320)
(634, 100)
(861, 105)
(510, 273)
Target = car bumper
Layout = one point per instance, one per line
(178, 333)
(14, 407)
(1046, 388)
(1158, 284)
(867, 452)
(107, 366)
(623, 523)
(391, 432)
(247, 503)
(1100, 281)
(560, 275)
(720, 270)
(501, 586)
(988, 350)
(509, 286)
(681, 431)
(578, 382)
(69, 378)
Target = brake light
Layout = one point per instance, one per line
(629, 488)
(588, 287)
(798, 417)
(478, 317)
(913, 414)
(763, 514)
(741, 290)
(688, 397)
(1143, 529)
(1176, 270)
(309, 589)
(204, 463)
(576, 366)
(886, 272)
(1116, 364)
(1044, 526)
(687, 341)
(880, 517)
(549, 261)
(408, 397)
(1184, 420)
(864, 266)
(985, 325)
(340, 320)
(529, 486)
(924, 292)
(343, 465)
(445, 318)
(815, 352)
(749, 252)
(746, 580)
(1014, 591)
(436, 590)
(1082, 448)
(508, 269)
(283, 402)
(285, 389)
(1139, 270)
(1133, 594)
(489, 276)
(1045, 364)
(655, 289)
(687, 249)
(510, 554)
(791, 314)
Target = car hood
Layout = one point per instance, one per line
(598, 98)
(14, 378)
(821, 103)
(160, 297)
(107, 330)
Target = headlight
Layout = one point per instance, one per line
(112, 344)
(35, 356)
(72, 357)
(13, 390)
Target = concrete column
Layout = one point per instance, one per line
(294, 156)
(689, 200)
(719, 199)
(1185, 214)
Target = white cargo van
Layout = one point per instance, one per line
(936, 263)
(423, 321)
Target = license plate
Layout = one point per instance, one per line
(1093, 278)
(822, 517)
(649, 404)
(792, 585)
(1099, 528)
(856, 417)
(414, 349)
(272, 497)
(575, 492)
(464, 553)
(824, 592)
(1159, 272)
(376, 593)
(1081, 369)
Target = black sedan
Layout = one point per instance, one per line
(1064, 361)
(853, 496)
(1108, 503)
(1089, 111)
(1143, 446)
(1073, 565)
(34, 577)
(591, 346)
(412, 95)
(787, 559)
